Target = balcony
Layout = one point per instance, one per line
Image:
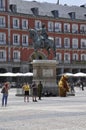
(79, 62)
(2, 8)
(2, 25)
(72, 62)
(16, 59)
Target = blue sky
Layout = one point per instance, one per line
(68, 2)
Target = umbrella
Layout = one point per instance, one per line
(80, 74)
(68, 74)
(28, 74)
(8, 74)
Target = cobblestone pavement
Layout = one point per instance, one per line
(51, 113)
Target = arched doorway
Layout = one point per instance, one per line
(40, 56)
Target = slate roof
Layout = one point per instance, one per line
(45, 9)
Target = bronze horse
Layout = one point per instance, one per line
(40, 43)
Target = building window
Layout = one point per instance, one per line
(38, 24)
(15, 23)
(66, 27)
(24, 24)
(2, 38)
(16, 39)
(83, 43)
(58, 42)
(66, 43)
(75, 57)
(2, 5)
(72, 15)
(25, 40)
(66, 58)
(58, 27)
(2, 55)
(74, 28)
(82, 28)
(74, 43)
(2, 22)
(59, 57)
(16, 56)
(83, 57)
(50, 26)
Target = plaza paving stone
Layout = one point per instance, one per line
(51, 113)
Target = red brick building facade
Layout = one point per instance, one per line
(68, 32)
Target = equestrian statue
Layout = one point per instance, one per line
(41, 40)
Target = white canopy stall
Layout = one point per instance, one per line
(79, 74)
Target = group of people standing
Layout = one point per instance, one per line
(35, 89)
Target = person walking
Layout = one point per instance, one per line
(26, 89)
(34, 91)
(82, 86)
(40, 88)
(4, 92)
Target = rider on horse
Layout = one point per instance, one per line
(44, 33)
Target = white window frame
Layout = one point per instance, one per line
(75, 57)
(58, 42)
(66, 42)
(66, 27)
(83, 43)
(25, 40)
(2, 5)
(2, 21)
(66, 57)
(83, 28)
(50, 26)
(75, 43)
(16, 56)
(59, 57)
(38, 24)
(17, 36)
(83, 57)
(74, 28)
(24, 24)
(16, 23)
(2, 55)
(58, 27)
(2, 38)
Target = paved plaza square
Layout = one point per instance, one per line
(51, 113)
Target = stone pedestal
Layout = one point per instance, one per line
(45, 71)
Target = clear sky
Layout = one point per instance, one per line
(68, 2)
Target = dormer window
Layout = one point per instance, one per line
(35, 11)
(72, 15)
(13, 8)
(55, 13)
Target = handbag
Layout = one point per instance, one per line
(3, 90)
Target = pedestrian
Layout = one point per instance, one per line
(82, 86)
(72, 87)
(4, 92)
(34, 91)
(40, 88)
(26, 88)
